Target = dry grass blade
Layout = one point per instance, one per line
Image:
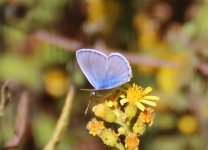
(5, 97)
(21, 122)
(73, 45)
(62, 122)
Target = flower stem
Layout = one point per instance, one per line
(119, 146)
(62, 122)
(120, 121)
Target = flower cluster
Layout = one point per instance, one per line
(120, 107)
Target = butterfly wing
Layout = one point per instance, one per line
(118, 71)
(92, 64)
(104, 72)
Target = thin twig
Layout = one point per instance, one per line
(62, 122)
(203, 68)
(5, 97)
(196, 103)
(73, 45)
(69, 44)
(21, 122)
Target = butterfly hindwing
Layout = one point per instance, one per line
(119, 70)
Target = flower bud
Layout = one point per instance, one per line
(104, 112)
(130, 111)
(139, 127)
(131, 142)
(109, 137)
(122, 130)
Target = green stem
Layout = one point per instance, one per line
(119, 120)
(62, 122)
(120, 146)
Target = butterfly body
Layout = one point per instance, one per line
(104, 72)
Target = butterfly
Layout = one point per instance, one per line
(102, 71)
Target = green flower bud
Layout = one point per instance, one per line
(139, 127)
(109, 137)
(104, 112)
(122, 130)
(130, 111)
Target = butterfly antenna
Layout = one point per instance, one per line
(88, 90)
(88, 105)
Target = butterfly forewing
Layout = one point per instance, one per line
(93, 64)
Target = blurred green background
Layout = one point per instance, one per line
(168, 42)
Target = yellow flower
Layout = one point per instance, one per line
(167, 80)
(192, 124)
(56, 82)
(96, 10)
(147, 116)
(131, 142)
(95, 127)
(138, 96)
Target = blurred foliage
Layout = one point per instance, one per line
(43, 132)
(16, 68)
(170, 30)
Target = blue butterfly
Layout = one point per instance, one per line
(102, 71)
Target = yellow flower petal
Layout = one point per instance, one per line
(123, 101)
(109, 104)
(93, 108)
(147, 90)
(152, 98)
(122, 96)
(140, 106)
(148, 102)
